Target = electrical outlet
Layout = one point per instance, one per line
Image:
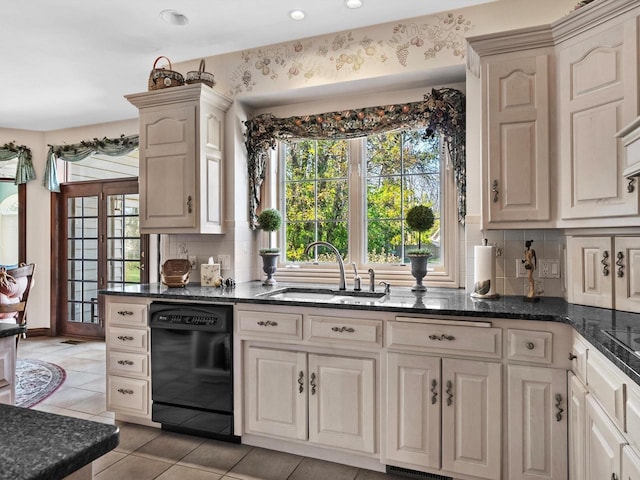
(224, 261)
(192, 260)
(549, 268)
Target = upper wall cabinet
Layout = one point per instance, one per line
(555, 107)
(598, 91)
(181, 159)
(516, 93)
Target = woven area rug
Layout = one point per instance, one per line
(36, 380)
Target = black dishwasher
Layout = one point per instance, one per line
(192, 369)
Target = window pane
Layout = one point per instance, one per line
(102, 167)
(403, 170)
(316, 195)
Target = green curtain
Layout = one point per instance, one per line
(442, 112)
(113, 147)
(24, 170)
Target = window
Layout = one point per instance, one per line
(103, 167)
(355, 195)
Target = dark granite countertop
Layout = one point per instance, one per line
(588, 321)
(44, 446)
(9, 329)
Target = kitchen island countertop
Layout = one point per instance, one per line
(588, 321)
(41, 445)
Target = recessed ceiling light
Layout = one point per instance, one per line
(173, 17)
(353, 3)
(296, 14)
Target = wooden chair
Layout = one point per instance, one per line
(19, 308)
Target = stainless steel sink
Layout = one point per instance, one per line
(306, 294)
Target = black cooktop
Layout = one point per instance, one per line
(629, 339)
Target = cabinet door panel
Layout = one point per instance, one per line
(342, 403)
(627, 273)
(471, 417)
(537, 423)
(576, 413)
(591, 263)
(598, 83)
(518, 143)
(603, 443)
(413, 409)
(167, 169)
(274, 403)
(630, 464)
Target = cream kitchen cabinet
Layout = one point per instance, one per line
(603, 443)
(128, 362)
(630, 464)
(605, 272)
(536, 422)
(516, 94)
(444, 414)
(577, 425)
(334, 396)
(181, 159)
(598, 93)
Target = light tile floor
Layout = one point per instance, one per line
(146, 453)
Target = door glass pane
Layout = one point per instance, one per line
(123, 242)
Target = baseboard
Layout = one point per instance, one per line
(38, 332)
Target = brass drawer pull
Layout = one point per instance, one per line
(530, 345)
(189, 204)
(301, 381)
(267, 323)
(125, 362)
(605, 264)
(125, 338)
(494, 189)
(620, 264)
(442, 337)
(125, 391)
(124, 313)
(343, 329)
(572, 356)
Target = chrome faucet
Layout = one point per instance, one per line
(343, 278)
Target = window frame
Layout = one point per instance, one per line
(444, 276)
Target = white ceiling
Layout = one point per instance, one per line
(70, 62)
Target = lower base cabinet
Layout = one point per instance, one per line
(7, 370)
(630, 464)
(536, 422)
(327, 400)
(424, 393)
(603, 443)
(577, 398)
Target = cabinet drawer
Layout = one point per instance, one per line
(266, 324)
(461, 340)
(127, 394)
(128, 339)
(607, 386)
(126, 314)
(529, 346)
(579, 351)
(125, 363)
(345, 330)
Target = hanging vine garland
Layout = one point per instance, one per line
(442, 112)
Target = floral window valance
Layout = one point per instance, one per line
(442, 112)
(114, 147)
(24, 170)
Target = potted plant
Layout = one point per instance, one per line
(269, 220)
(419, 218)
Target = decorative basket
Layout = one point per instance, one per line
(160, 78)
(201, 76)
(175, 272)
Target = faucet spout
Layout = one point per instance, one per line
(343, 278)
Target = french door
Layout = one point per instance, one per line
(99, 246)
